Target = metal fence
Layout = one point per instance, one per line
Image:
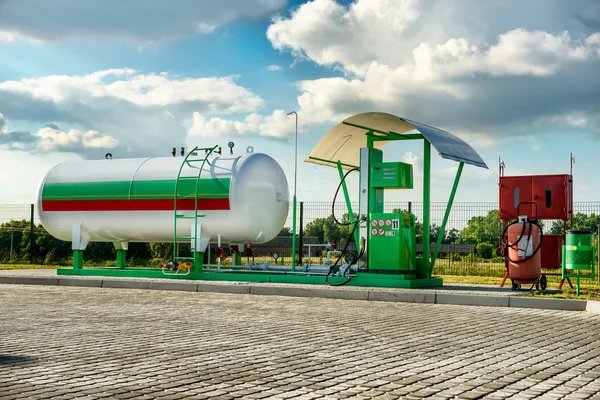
(23, 233)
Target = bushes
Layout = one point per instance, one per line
(485, 250)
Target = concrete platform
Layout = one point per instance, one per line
(456, 294)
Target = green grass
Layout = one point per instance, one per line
(27, 266)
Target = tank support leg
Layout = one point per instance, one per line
(77, 259)
(197, 267)
(121, 258)
(79, 241)
(121, 248)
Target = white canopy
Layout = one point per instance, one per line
(343, 142)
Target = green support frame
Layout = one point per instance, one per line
(348, 204)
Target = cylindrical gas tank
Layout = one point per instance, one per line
(244, 198)
(524, 262)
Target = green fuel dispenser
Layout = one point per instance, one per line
(578, 256)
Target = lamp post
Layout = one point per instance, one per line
(294, 201)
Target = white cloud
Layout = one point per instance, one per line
(220, 94)
(133, 20)
(274, 68)
(7, 36)
(435, 64)
(278, 125)
(144, 113)
(329, 33)
(54, 140)
(51, 139)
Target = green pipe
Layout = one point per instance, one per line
(426, 206)
(446, 216)
(348, 205)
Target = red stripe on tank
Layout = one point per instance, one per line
(211, 204)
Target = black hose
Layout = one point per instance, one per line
(348, 278)
(355, 223)
(335, 197)
(507, 245)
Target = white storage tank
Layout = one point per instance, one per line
(243, 198)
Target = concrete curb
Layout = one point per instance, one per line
(379, 294)
(593, 306)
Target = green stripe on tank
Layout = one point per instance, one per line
(119, 190)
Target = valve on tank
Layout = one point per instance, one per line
(248, 252)
(220, 253)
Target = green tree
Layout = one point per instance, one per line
(453, 236)
(285, 231)
(482, 229)
(586, 222)
(485, 250)
(316, 228)
(557, 228)
(327, 229)
(19, 231)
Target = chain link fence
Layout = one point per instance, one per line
(23, 239)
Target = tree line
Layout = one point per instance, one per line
(482, 231)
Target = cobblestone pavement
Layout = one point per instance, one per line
(72, 342)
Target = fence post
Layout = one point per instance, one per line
(410, 207)
(301, 231)
(12, 236)
(31, 236)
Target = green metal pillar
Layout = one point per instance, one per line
(348, 204)
(237, 258)
(77, 259)
(198, 257)
(446, 216)
(121, 258)
(294, 235)
(426, 206)
(31, 241)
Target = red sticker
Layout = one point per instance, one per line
(374, 223)
(381, 231)
(381, 222)
(388, 222)
(374, 232)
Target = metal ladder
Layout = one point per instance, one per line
(197, 155)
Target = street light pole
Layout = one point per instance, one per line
(294, 201)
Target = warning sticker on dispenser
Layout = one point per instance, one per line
(390, 233)
(525, 246)
(381, 222)
(374, 223)
(374, 231)
(388, 222)
(395, 224)
(381, 231)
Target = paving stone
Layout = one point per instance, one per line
(69, 342)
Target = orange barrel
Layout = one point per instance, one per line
(524, 257)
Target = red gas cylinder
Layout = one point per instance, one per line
(522, 253)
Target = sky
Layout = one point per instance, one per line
(517, 80)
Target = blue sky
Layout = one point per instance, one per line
(516, 81)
